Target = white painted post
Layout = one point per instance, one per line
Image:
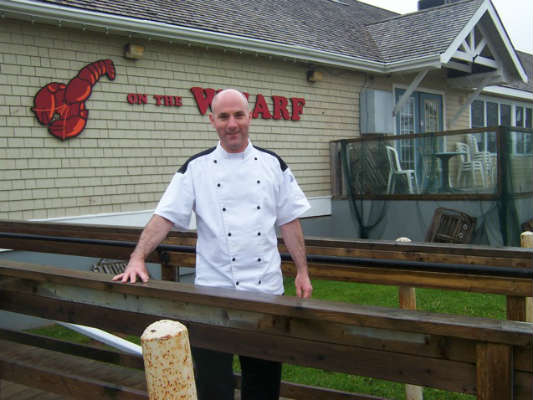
(407, 299)
(526, 241)
(168, 361)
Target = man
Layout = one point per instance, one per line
(239, 193)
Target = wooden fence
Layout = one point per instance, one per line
(492, 359)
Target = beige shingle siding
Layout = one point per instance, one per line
(127, 154)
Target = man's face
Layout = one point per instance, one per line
(231, 119)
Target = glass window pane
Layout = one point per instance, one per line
(491, 142)
(477, 111)
(528, 118)
(519, 117)
(505, 114)
(492, 114)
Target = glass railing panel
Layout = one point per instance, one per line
(461, 162)
(520, 161)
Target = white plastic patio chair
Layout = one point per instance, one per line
(469, 167)
(396, 171)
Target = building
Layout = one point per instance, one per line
(101, 102)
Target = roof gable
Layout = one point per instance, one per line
(484, 41)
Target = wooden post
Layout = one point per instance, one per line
(526, 241)
(407, 299)
(494, 370)
(521, 308)
(168, 361)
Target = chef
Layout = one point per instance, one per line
(239, 193)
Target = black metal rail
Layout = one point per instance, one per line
(466, 269)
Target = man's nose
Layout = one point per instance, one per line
(232, 122)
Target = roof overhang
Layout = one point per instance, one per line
(508, 92)
(41, 12)
(132, 27)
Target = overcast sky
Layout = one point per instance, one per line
(516, 15)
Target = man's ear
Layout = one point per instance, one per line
(212, 119)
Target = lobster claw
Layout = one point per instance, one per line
(80, 87)
(69, 127)
(48, 101)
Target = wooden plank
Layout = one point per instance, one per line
(447, 281)
(384, 365)
(75, 349)
(435, 252)
(288, 389)
(402, 251)
(443, 374)
(63, 383)
(494, 372)
(264, 305)
(450, 281)
(304, 392)
(267, 335)
(14, 391)
(516, 308)
(429, 252)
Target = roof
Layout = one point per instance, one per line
(326, 25)
(423, 33)
(527, 62)
(344, 33)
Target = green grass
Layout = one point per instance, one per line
(440, 301)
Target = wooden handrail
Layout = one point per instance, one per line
(419, 252)
(441, 351)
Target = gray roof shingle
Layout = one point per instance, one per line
(341, 27)
(427, 32)
(337, 27)
(526, 60)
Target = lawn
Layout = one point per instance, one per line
(451, 302)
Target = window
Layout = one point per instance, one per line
(522, 141)
(421, 113)
(492, 112)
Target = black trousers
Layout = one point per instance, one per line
(214, 376)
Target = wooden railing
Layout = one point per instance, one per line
(492, 359)
(455, 353)
(515, 289)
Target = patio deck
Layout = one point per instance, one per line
(50, 360)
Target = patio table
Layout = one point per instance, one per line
(444, 158)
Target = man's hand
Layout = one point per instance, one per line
(303, 286)
(134, 268)
(153, 233)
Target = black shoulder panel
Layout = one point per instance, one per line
(183, 168)
(282, 164)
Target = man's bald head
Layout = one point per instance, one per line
(226, 92)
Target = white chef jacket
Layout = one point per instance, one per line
(238, 198)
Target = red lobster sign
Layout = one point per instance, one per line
(62, 107)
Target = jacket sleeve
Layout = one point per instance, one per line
(292, 202)
(177, 202)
